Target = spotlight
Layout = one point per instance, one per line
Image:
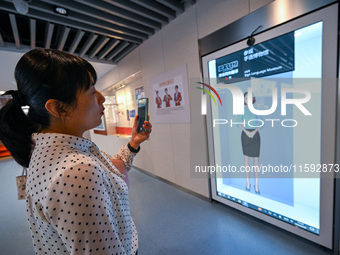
(61, 10)
(21, 6)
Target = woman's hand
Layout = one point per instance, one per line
(138, 138)
(251, 134)
(248, 133)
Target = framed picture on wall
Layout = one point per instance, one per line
(139, 92)
(101, 129)
(170, 96)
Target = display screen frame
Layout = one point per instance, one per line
(328, 16)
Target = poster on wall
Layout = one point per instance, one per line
(132, 113)
(101, 129)
(170, 97)
(102, 125)
(139, 92)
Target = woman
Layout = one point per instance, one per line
(251, 141)
(77, 201)
(167, 98)
(158, 100)
(177, 96)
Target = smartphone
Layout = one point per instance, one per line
(143, 112)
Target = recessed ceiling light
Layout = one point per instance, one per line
(61, 10)
(21, 6)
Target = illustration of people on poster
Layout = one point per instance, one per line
(167, 98)
(170, 97)
(177, 96)
(158, 100)
(168, 94)
(139, 92)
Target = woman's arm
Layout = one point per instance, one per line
(124, 159)
(119, 164)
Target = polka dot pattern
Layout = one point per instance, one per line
(77, 202)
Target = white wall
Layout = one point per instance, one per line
(168, 152)
(8, 61)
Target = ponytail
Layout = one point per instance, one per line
(16, 130)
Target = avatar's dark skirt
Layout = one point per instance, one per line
(251, 146)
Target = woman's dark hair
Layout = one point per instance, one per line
(41, 74)
(244, 95)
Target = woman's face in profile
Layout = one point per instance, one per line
(89, 109)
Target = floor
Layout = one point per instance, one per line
(169, 222)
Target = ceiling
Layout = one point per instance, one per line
(98, 30)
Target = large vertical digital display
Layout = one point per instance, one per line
(263, 151)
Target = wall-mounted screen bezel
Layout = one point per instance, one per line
(328, 16)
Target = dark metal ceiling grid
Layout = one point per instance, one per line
(99, 30)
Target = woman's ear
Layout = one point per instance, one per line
(55, 107)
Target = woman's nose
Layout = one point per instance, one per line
(101, 97)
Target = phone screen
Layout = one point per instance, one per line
(142, 113)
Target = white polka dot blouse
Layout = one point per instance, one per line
(77, 202)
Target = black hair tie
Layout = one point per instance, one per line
(17, 98)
